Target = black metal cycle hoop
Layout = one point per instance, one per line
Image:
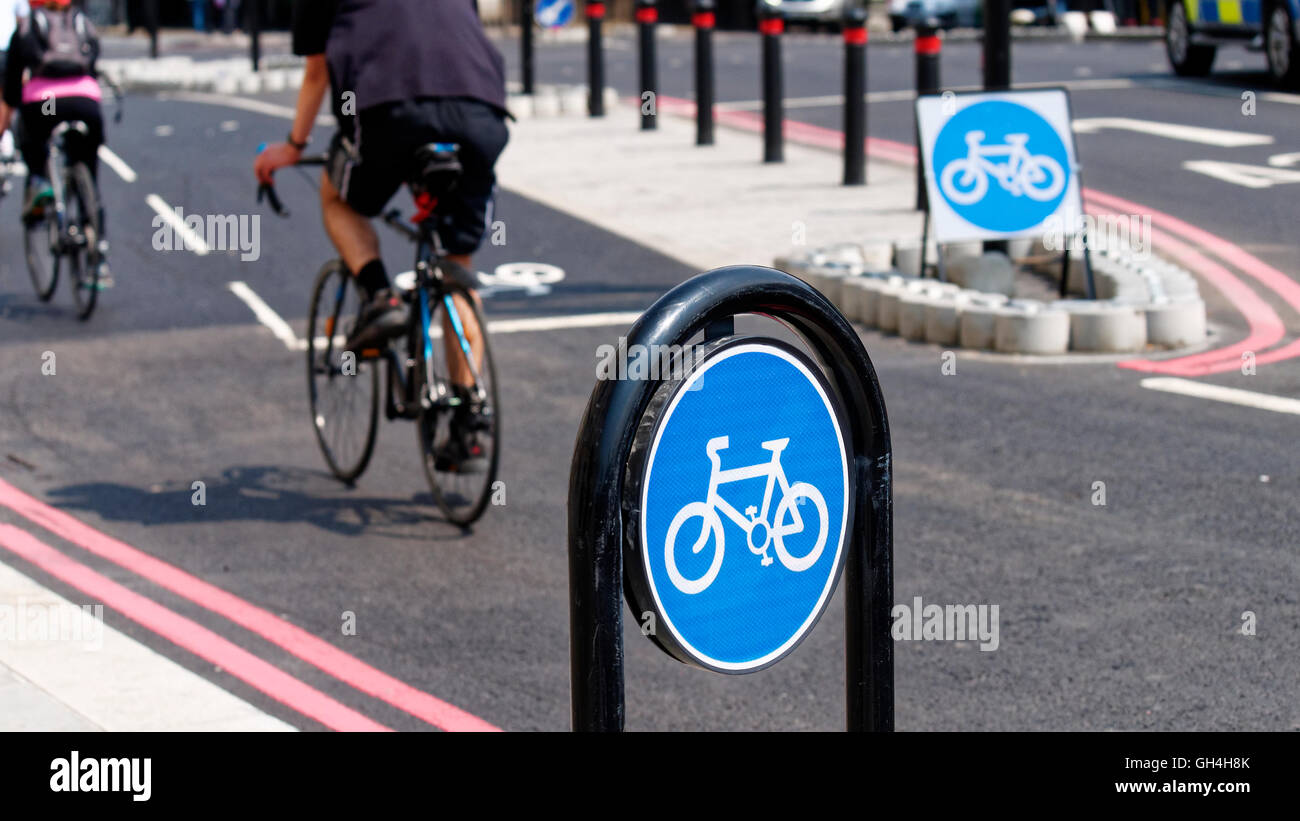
(597, 475)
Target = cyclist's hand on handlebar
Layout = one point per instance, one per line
(275, 157)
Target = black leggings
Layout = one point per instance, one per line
(36, 127)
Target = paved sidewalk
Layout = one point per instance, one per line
(706, 206)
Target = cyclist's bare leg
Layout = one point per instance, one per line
(457, 368)
(351, 233)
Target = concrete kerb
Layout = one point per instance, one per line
(1142, 303)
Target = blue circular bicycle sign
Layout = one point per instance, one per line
(1001, 166)
(744, 507)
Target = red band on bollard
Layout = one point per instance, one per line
(647, 15)
(595, 11)
(928, 45)
(702, 19)
(855, 37)
(773, 25)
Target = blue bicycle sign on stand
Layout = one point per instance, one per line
(997, 164)
(744, 506)
(553, 14)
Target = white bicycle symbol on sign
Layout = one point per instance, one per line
(760, 534)
(1036, 176)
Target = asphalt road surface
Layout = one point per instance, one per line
(1123, 616)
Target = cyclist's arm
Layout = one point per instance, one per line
(315, 82)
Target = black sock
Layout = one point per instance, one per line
(372, 277)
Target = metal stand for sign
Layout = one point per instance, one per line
(708, 304)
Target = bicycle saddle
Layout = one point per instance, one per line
(435, 169)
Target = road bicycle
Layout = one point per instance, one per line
(760, 532)
(1036, 176)
(70, 233)
(344, 389)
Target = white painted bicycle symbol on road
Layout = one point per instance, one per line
(761, 532)
(1036, 176)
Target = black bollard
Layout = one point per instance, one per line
(855, 96)
(927, 82)
(151, 23)
(526, 43)
(646, 17)
(595, 60)
(997, 64)
(771, 22)
(255, 34)
(703, 20)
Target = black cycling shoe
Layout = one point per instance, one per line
(462, 452)
(385, 316)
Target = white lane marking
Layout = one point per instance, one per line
(163, 131)
(1173, 131)
(1218, 393)
(267, 316)
(1100, 84)
(193, 241)
(256, 106)
(1247, 176)
(116, 163)
(229, 125)
(122, 685)
(1284, 160)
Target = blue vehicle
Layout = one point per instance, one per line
(1197, 28)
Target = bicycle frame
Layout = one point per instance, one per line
(428, 282)
(55, 164)
(772, 470)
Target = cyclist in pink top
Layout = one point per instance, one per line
(49, 79)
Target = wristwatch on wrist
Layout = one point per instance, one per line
(298, 145)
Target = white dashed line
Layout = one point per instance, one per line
(117, 164)
(267, 316)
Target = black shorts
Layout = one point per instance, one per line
(36, 126)
(383, 143)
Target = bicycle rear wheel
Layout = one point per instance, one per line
(84, 233)
(462, 494)
(40, 246)
(343, 389)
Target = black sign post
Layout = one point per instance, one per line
(601, 510)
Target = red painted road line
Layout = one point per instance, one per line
(295, 640)
(189, 635)
(1234, 255)
(1263, 323)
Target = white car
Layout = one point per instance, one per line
(829, 13)
(945, 13)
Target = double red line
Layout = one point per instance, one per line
(206, 644)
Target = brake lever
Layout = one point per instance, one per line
(267, 191)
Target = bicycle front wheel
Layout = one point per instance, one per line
(342, 388)
(41, 247)
(459, 427)
(84, 235)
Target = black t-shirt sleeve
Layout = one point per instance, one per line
(311, 24)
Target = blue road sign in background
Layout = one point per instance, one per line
(744, 507)
(1001, 166)
(553, 13)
